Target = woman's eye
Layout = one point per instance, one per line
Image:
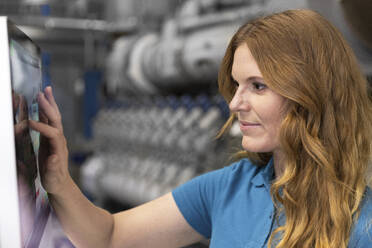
(259, 86)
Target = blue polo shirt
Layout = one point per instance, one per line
(232, 207)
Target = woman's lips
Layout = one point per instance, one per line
(247, 125)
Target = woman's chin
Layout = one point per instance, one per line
(256, 145)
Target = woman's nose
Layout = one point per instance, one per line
(236, 102)
(241, 101)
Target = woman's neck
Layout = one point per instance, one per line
(278, 164)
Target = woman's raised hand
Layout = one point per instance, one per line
(53, 153)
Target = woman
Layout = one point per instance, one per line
(293, 84)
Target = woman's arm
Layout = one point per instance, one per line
(158, 223)
(85, 224)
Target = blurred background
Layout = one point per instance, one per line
(136, 82)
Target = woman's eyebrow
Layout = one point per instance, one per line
(251, 78)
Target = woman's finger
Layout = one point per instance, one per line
(42, 117)
(54, 117)
(49, 95)
(54, 135)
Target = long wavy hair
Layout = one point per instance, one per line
(326, 132)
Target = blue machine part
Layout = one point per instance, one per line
(45, 10)
(45, 60)
(92, 79)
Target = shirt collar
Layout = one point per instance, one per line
(264, 176)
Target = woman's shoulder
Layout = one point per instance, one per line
(368, 197)
(245, 166)
(242, 169)
(366, 205)
(243, 173)
(233, 175)
(362, 233)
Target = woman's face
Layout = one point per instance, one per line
(259, 109)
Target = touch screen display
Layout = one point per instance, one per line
(33, 199)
